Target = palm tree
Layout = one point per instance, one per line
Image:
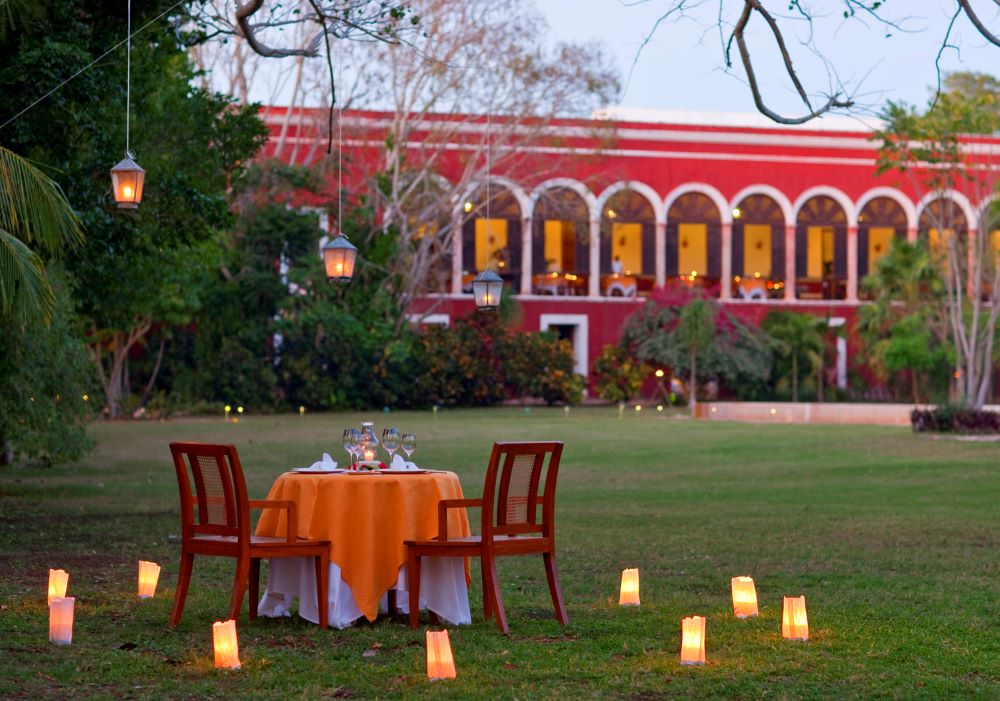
(797, 335)
(34, 216)
(695, 328)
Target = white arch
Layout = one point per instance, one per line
(896, 196)
(833, 193)
(725, 211)
(961, 200)
(642, 188)
(568, 183)
(523, 201)
(983, 206)
(772, 192)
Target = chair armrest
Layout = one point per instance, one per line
(446, 504)
(289, 506)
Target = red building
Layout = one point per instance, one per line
(761, 216)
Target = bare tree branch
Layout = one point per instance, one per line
(249, 32)
(978, 24)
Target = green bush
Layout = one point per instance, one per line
(45, 373)
(618, 375)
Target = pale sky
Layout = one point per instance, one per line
(681, 66)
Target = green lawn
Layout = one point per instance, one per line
(893, 538)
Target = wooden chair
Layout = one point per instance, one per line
(510, 525)
(221, 526)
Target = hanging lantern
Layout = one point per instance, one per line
(794, 623)
(225, 644)
(149, 573)
(126, 180)
(487, 287)
(58, 582)
(744, 597)
(629, 593)
(339, 256)
(440, 663)
(693, 640)
(61, 620)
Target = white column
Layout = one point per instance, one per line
(456, 254)
(911, 235)
(789, 262)
(660, 251)
(526, 255)
(726, 276)
(594, 283)
(852, 264)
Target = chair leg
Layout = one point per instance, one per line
(413, 584)
(239, 587)
(180, 594)
(323, 588)
(487, 599)
(490, 570)
(254, 587)
(552, 574)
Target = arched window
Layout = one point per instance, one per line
(821, 250)
(694, 240)
(493, 242)
(560, 256)
(881, 220)
(758, 248)
(628, 230)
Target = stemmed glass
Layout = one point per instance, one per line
(351, 438)
(359, 443)
(408, 444)
(390, 441)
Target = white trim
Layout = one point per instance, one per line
(770, 191)
(725, 211)
(982, 209)
(833, 193)
(961, 200)
(896, 196)
(641, 188)
(440, 319)
(523, 201)
(581, 339)
(568, 183)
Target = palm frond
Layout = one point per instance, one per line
(24, 287)
(33, 207)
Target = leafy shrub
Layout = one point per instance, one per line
(618, 376)
(952, 419)
(540, 365)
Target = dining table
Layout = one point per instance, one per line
(366, 516)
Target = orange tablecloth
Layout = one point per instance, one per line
(366, 518)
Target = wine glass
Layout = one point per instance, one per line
(358, 443)
(351, 436)
(390, 441)
(408, 444)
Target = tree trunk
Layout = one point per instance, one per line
(819, 381)
(6, 452)
(795, 377)
(693, 384)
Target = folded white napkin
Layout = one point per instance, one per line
(399, 464)
(327, 463)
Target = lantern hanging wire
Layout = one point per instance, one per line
(339, 254)
(487, 286)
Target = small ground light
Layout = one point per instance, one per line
(239, 410)
(629, 592)
(693, 640)
(225, 645)
(659, 407)
(638, 407)
(61, 620)
(773, 412)
(440, 662)
(58, 583)
(228, 409)
(302, 411)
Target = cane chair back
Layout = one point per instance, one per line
(511, 497)
(213, 491)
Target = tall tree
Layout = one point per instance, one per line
(798, 337)
(695, 330)
(131, 271)
(939, 151)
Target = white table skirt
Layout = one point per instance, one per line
(442, 590)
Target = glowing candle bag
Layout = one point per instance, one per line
(58, 582)
(744, 597)
(225, 644)
(440, 663)
(693, 640)
(149, 574)
(61, 620)
(629, 594)
(794, 624)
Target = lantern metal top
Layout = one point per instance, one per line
(339, 255)
(487, 287)
(127, 165)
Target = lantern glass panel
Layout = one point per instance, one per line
(339, 256)
(127, 179)
(487, 288)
